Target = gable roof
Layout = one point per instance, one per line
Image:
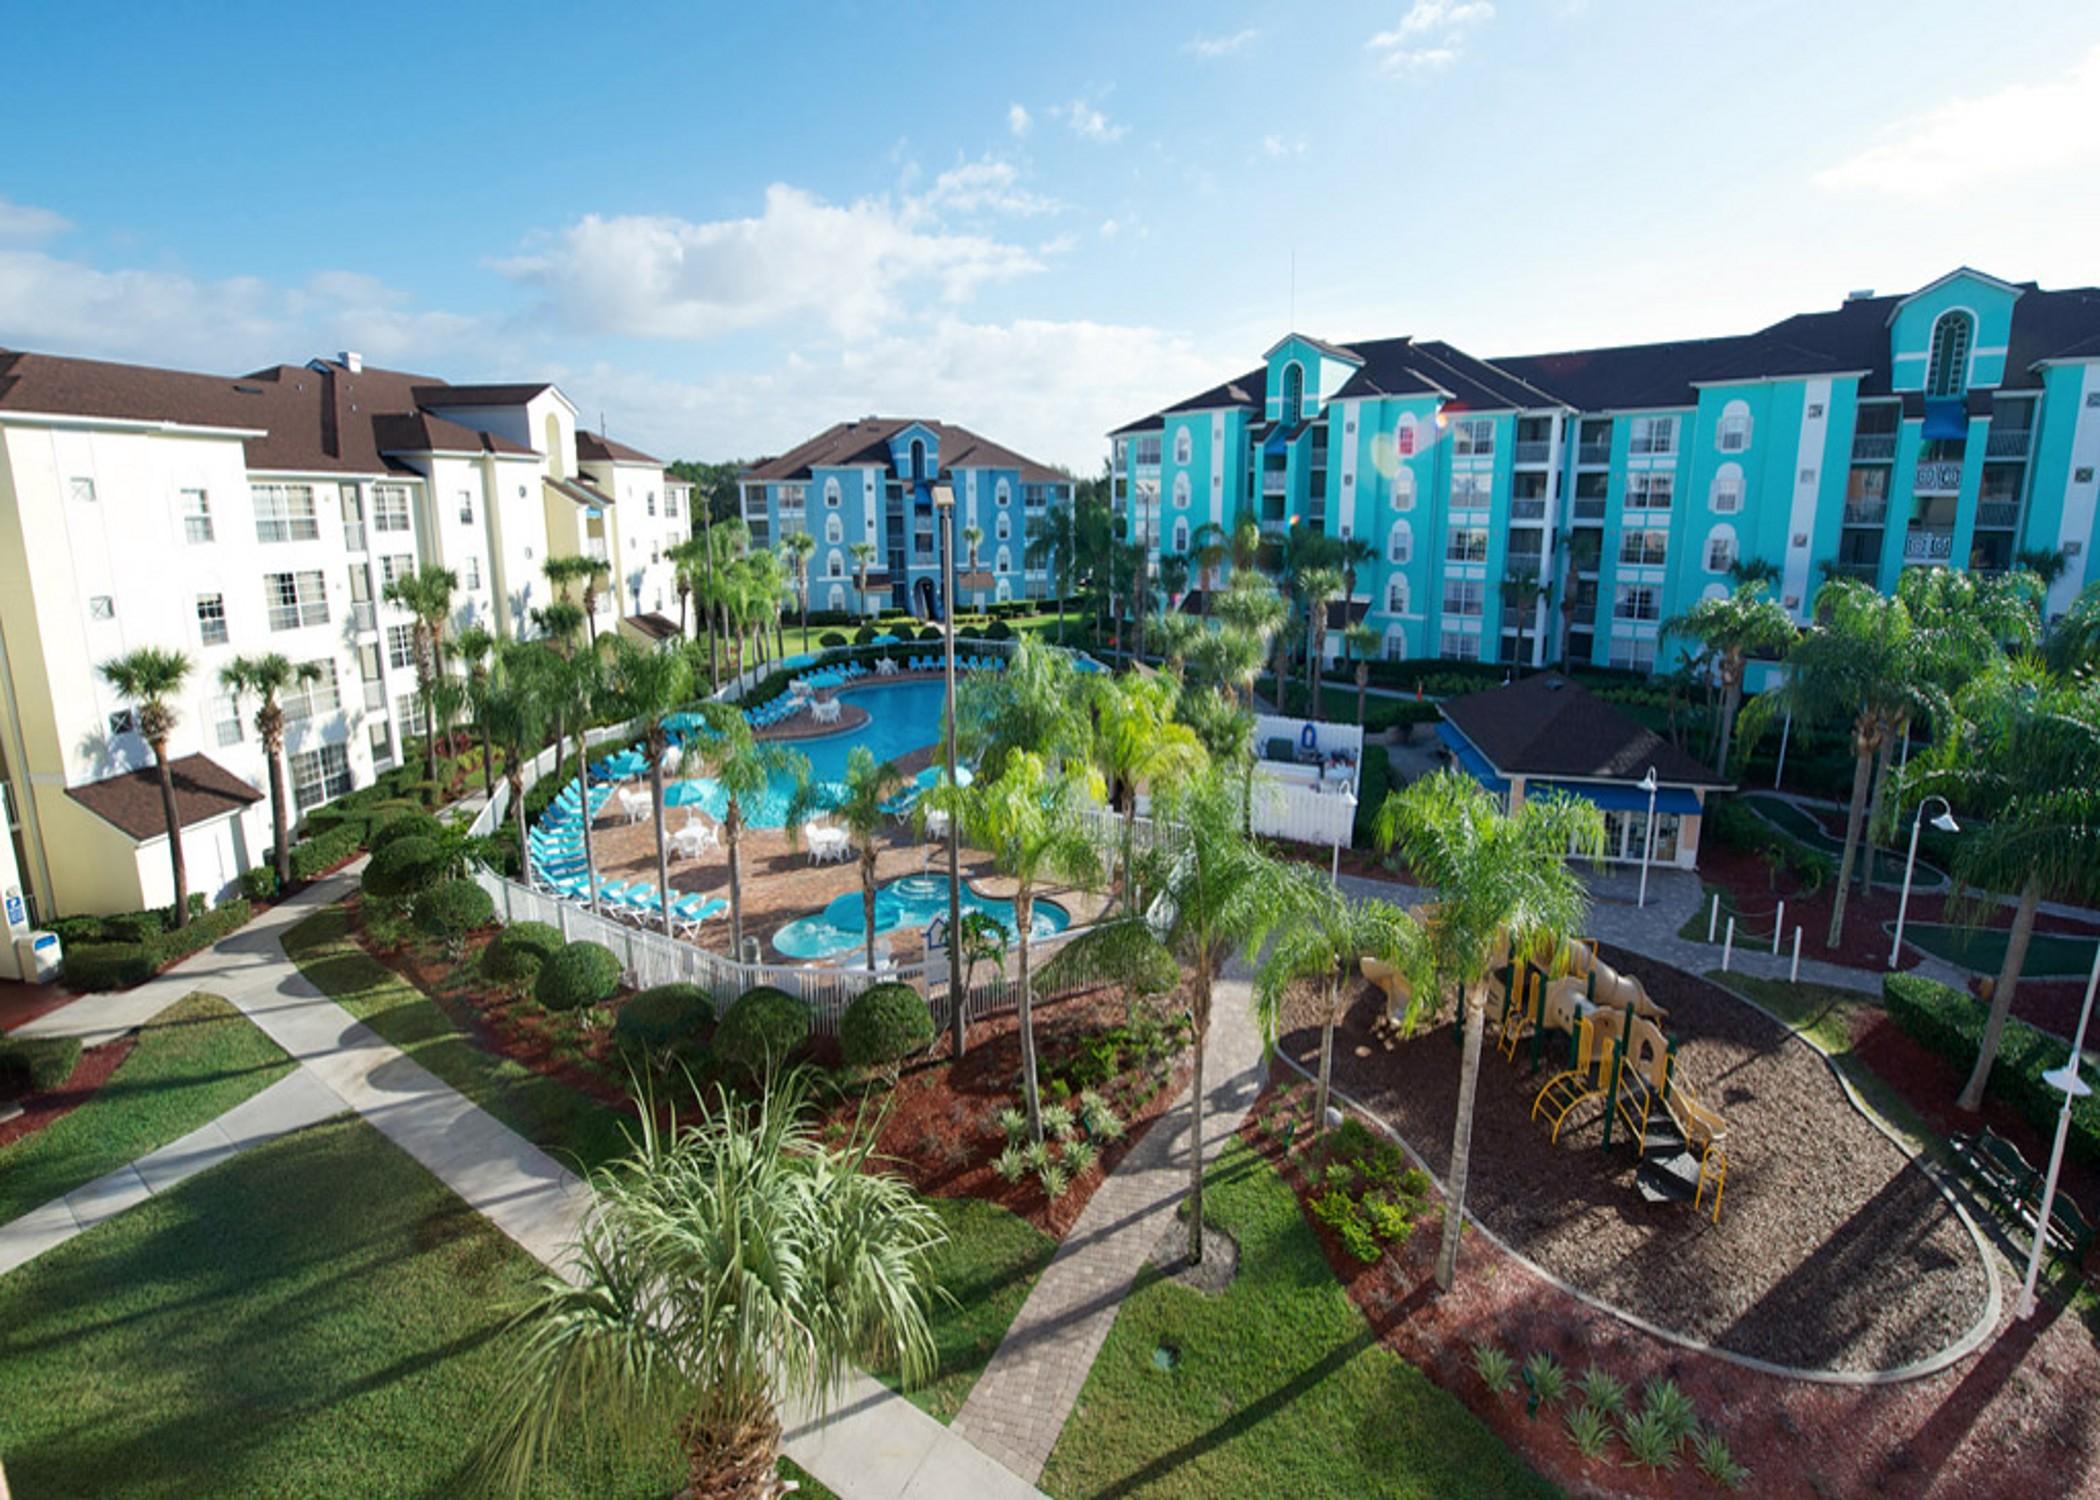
(1545, 725)
(1347, 355)
(847, 444)
(130, 800)
(420, 432)
(439, 394)
(593, 448)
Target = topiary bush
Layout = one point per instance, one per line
(930, 633)
(109, 966)
(259, 883)
(406, 825)
(35, 1064)
(998, 630)
(865, 635)
(763, 1024)
(663, 1020)
(404, 868)
(451, 909)
(884, 1025)
(518, 951)
(831, 640)
(580, 975)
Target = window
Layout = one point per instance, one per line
(794, 499)
(82, 490)
(835, 566)
(1395, 644)
(1947, 365)
(1466, 544)
(401, 647)
(408, 713)
(835, 598)
(1720, 549)
(1035, 496)
(470, 572)
(1637, 601)
(1472, 491)
(390, 507)
(394, 566)
(1459, 645)
(1733, 435)
(1649, 490)
(295, 599)
(1004, 562)
(649, 502)
(320, 775)
(101, 607)
(1400, 544)
(1635, 654)
(1473, 437)
(1293, 392)
(1396, 594)
(834, 530)
(1725, 495)
(1653, 435)
(1464, 596)
(303, 700)
(466, 507)
(122, 722)
(196, 515)
(1148, 451)
(671, 505)
(1404, 435)
(1404, 488)
(1003, 528)
(1183, 448)
(1181, 536)
(1181, 490)
(211, 618)
(1003, 494)
(285, 513)
(1644, 549)
(225, 720)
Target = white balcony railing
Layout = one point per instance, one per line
(1940, 476)
(1928, 546)
(363, 617)
(1873, 447)
(1533, 450)
(375, 697)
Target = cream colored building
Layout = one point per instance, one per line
(226, 516)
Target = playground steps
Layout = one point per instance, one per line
(1668, 1173)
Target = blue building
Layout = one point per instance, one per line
(871, 484)
(1559, 507)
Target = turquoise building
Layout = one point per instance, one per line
(872, 482)
(1559, 507)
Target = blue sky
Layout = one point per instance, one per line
(727, 228)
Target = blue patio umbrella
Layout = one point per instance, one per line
(695, 793)
(886, 639)
(799, 660)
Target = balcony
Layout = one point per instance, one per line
(1997, 515)
(1274, 481)
(1937, 477)
(1873, 447)
(1866, 512)
(375, 697)
(2011, 444)
(1593, 455)
(1533, 451)
(1928, 546)
(353, 536)
(1589, 507)
(1528, 508)
(1860, 572)
(363, 617)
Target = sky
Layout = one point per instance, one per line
(721, 229)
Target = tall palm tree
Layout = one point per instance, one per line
(1352, 555)
(1520, 590)
(1028, 820)
(2021, 761)
(744, 767)
(2074, 639)
(730, 1267)
(863, 555)
(1138, 744)
(1252, 605)
(972, 537)
(266, 677)
(1504, 884)
(1317, 587)
(564, 573)
(682, 556)
(1038, 703)
(558, 625)
(515, 712)
(594, 576)
(147, 678)
(1173, 580)
(427, 595)
(646, 688)
(1360, 644)
(1052, 547)
(575, 692)
(1210, 549)
(475, 646)
(1734, 628)
(798, 547)
(857, 802)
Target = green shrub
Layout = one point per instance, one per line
(998, 630)
(930, 633)
(884, 1025)
(580, 975)
(1374, 780)
(259, 883)
(518, 951)
(402, 868)
(1497, 1371)
(202, 932)
(315, 856)
(453, 908)
(1548, 1381)
(35, 1064)
(1339, 1212)
(831, 640)
(109, 966)
(407, 825)
(1011, 1165)
(664, 1018)
(865, 636)
(763, 1024)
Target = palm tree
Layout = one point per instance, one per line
(1318, 587)
(2021, 761)
(681, 556)
(1252, 605)
(798, 547)
(1734, 628)
(2074, 640)
(1029, 820)
(563, 573)
(1320, 935)
(1138, 744)
(1352, 556)
(1038, 703)
(1359, 643)
(730, 1267)
(475, 646)
(267, 677)
(426, 594)
(1211, 549)
(558, 624)
(1504, 884)
(744, 768)
(863, 555)
(972, 536)
(857, 802)
(1052, 547)
(1521, 590)
(594, 577)
(1173, 580)
(574, 689)
(514, 712)
(646, 688)
(147, 678)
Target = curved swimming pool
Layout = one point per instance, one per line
(910, 902)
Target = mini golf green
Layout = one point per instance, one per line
(1797, 822)
(2050, 955)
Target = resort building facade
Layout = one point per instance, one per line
(239, 516)
(872, 483)
(1560, 507)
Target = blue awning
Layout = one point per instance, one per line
(1620, 796)
(1475, 764)
(1946, 417)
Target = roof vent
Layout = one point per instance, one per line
(1860, 294)
(248, 390)
(352, 361)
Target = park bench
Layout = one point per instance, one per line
(1998, 1169)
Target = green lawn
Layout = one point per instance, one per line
(553, 1116)
(1281, 1388)
(193, 1062)
(1982, 950)
(1790, 819)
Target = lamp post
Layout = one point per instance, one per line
(1651, 786)
(944, 512)
(1943, 820)
(2066, 1080)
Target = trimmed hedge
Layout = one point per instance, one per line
(36, 1064)
(884, 1025)
(518, 951)
(580, 975)
(831, 640)
(1374, 781)
(323, 852)
(1950, 1023)
(762, 1024)
(259, 883)
(453, 908)
(109, 966)
(668, 1017)
(406, 867)
(409, 825)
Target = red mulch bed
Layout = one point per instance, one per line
(94, 1069)
(2020, 1418)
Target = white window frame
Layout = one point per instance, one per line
(1398, 596)
(225, 720)
(319, 775)
(211, 619)
(196, 516)
(1473, 437)
(1724, 496)
(1732, 432)
(285, 513)
(304, 700)
(1400, 544)
(1722, 536)
(303, 606)
(1653, 437)
(1184, 448)
(390, 508)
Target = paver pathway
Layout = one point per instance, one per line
(873, 1445)
(1022, 1400)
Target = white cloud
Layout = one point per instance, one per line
(1017, 119)
(1063, 244)
(1222, 46)
(1276, 148)
(2023, 129)
(1431, 35)
(1109, 229)
(25, 223)
(1088, 123)
(987, 185)
(846, 265)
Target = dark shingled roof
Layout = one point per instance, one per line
(130, 800)
(581, 491)
(656, 627)
(1545, 725)
(439, 394)
(867, 442)
(420, 432)
(592, 448)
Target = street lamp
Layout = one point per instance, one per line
(1651, 786)
(1943, 820)
(2066, 1081)
(944, 510)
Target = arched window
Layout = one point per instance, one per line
(835, 598)
(1003, 527)
(1293, 391)
(1404, 435)
(1181, 536)
(1396, 643)
(1003, 591)
(1181, 446)
(1002, 494)
(831, 492)
(1181, 490)
(1400, 544)
(835, 565)
(834, 530)
(1004, 562)
(1733, 434)
(1725, 494)
(1947, 367)
(1404, 488)
(1720, 549)
(1396, 595)
(918, 461)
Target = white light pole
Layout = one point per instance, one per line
(1943, 820)
(2073, 1088)
(943, 509)
(1651, 786)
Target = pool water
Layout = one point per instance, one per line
(910, 902)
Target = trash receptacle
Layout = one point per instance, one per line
(39, 957)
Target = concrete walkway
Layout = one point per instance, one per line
(1020, 1403)
(874, 1446)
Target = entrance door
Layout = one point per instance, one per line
(928, 606)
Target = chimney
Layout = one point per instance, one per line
(1861, 294)
(352, 361)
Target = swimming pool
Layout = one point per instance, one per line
(909, 902)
